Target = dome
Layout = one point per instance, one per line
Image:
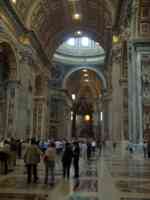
(79, 49)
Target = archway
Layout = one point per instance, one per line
(86, 89)
(99, 73)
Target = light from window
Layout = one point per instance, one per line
(85, 41)
(101, 116)
(14, 1)
(71, 41)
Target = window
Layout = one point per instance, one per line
(84, 41)
(71, 41)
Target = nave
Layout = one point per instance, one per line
(115, 175)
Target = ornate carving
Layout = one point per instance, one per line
(116, 53)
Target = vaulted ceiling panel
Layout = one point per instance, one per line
(47, 18)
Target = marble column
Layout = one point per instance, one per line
(134, 95)
(116, 97)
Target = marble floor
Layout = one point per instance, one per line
(115, 175)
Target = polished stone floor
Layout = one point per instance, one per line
(115, 175)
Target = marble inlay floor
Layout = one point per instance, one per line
(133, 199)
(113, 176)
(22, 196)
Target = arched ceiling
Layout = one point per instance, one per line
(77, 84)
(51, 20)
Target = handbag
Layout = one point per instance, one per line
(45, 158)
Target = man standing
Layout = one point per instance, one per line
(31, 159)
(76, 156)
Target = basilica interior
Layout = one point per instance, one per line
(77, 70)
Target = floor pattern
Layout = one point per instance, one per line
(22, 196)
(130, 175)
(15, 187)
(121, 177)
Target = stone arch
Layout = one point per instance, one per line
(8, 57)
(99, 73)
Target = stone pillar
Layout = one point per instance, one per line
(107, 118)
(134, 96)
(98, 119)
(116, 103)
(25, 93)
(135, 101)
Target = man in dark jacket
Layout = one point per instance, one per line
(66, 160)
(76, 156)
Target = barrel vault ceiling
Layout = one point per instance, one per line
(52, 20)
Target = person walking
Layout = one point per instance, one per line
(49, 161)
(31, 159)
(89, 150)
(76, 156)
(148, 149)
(145, 149)
(67, 160)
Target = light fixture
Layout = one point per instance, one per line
(76, 16)
(115, 39)
(79, 33)
(84, 70)
(14, 1)
(87, 117)
(71, 115)
(86, 80)
(85, 75)
(73, 96)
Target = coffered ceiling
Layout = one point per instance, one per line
(52, 20)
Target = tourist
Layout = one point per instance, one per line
(89, 150)
(76, 156)
(31, 159)
(93, 145)
(145, 149)
(148, 149)
(13, 150)
(49, 161)
(84, 150)
(67, 159)
(114, 146)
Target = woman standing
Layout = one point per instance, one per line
(49, 161)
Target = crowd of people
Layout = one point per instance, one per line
(52, 152)
(69, 152)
